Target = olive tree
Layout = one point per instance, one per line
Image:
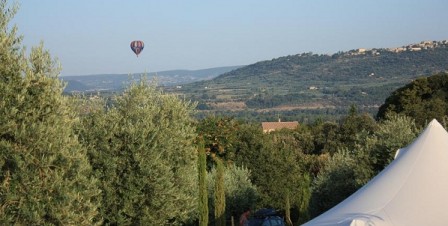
(141, 147)
(45, 176)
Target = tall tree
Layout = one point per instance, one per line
(240, 193)
(141, 148)
(220, 194)
(304, 194)
(275, 167)
(45, 176)
(203, 193)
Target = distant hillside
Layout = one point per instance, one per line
(114, 82)
(364, 77)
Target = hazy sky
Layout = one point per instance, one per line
(93, 36)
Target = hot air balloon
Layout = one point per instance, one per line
(137, 47)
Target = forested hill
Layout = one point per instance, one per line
(362, 76)
(359, 64)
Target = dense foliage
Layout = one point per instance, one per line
(308, 82)
(132, 159)
(141, 149)
(203, 191)
(45, 176)
(334, 183)
(314, 167)
(219, 194)
(240, 193)
(423, 99)
(219, 137)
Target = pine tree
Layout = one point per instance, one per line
(203, 194)
(45, 177)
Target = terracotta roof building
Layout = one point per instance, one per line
(272, 126)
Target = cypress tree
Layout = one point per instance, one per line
(45, 177)
(240, 193)
(220, 196)
(203, 194)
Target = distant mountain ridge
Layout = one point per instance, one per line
(116, 82)
(303, 84)
(364, 77)
(340, 66)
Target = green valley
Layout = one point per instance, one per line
(324, 84)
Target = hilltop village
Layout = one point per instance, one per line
(424, 45)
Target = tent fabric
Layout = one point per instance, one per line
(411, 190)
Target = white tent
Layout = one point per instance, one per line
(412, 190)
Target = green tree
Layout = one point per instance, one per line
(352, 127)
(249, 141)
(45, 176)
(304, 194)
(276, 170)
(305, 137)
(141, 148)
(423, 99)
(203, 191)
(240, 193)
(220, 194)
(220, 136)
(335, 182)
(396, 131)
(326, 137)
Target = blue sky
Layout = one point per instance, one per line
(93, 36)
